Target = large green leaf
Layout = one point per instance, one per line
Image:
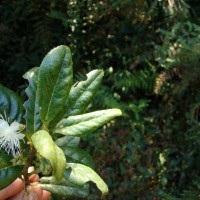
(32, 117)
(78, 155)
(80, 95)
(9, 174)
(81, 125)
(66, 191)
(46, 147)
(70, 141)
(10, 105)
(54, 82)
(81, 174)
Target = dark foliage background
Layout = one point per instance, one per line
(149, 50)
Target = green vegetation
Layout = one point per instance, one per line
(149, 50)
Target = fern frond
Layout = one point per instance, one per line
(165, 76)
(190, 195)
(127, 81)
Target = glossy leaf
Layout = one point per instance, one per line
(65, 191)
(81, 174)
(82, 92)
(46, 147)
(10, 105)
(81, 125)
(54, 82)
(9, 174)
(70, 141)
(80, 95)
(78, 155)
(5, 159)
(32, 117)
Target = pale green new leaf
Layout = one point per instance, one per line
(32, 117)
(61, 163)
(10, 105)
(70, 141)
(74, 154)
(54, 82)
(81, 174)
(46, 147)
(81, 125)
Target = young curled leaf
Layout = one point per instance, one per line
(46, 147)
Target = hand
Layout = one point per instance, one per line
(15, 191)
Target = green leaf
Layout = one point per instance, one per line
(46, 147)
(61, 163)
(78, 155)
(81, 174)
(66, 191)
(54, 83)
(81, 125)
(52, 180)
(82, 92)
(32, 117)
(5, 160)
(81, 95)
(10, 105)
(70, 141)
(9, 174)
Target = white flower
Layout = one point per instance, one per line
(10, 136)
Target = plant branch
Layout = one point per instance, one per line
(28, 164)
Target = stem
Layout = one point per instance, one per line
(28, 164)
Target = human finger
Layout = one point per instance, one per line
(32, 190)
(46, 195)
(14, 188)
(34, 178)
(33, 195)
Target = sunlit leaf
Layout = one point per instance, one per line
(46, 147)
(81, 174)
(85, 124)
(65, 191)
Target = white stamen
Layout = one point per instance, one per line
(10, 136)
